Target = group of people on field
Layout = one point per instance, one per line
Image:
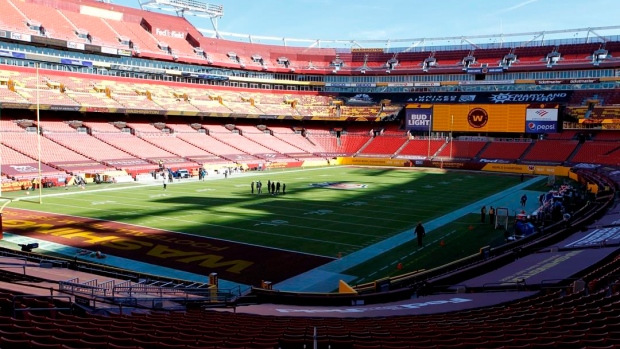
(273, 188)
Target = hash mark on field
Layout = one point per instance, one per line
(102, 202)
(383, 268)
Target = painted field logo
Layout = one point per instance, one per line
(338, 185)
(477, 117)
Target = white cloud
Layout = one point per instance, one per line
(514, 7)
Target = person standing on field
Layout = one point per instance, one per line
(420, 233)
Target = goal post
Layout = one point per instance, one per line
(501, 218)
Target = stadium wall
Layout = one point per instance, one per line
(461, 165)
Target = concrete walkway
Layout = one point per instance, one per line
(326, 277)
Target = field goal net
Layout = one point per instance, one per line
(501, 218)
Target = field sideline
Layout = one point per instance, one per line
(326, 213)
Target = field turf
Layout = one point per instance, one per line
(327, 212)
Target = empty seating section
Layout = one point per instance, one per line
(351, 144)
(504, 150)
(208, 105)
(178, 46)
(558, 319)
(598, 152)
(245, 145)
(568, 134)
(89, 146)
(550, 151)
(100, 126)
(79, 90)
(300, 142)
(8, 125)
(134, 145)
(268, 141)
(242, 108)
(384, 145)
(421, 148)
(52, 97)
(100, 32)
(464, 150)
(328, 144)
(12, 18)
(181, 127)
(274, 109)
(608, 136)
(55, 126)
(94, 100)
(51, 152)
(173, 104)
(140, 37)
(55, 24)
(360, 111)
(7, 95)
(13, 157)
(136, 102)
(214, 146)
(175, 145)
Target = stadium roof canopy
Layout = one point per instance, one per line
(524, 39)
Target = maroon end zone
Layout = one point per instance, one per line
(232, 261)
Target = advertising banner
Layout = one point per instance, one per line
(479, 118)
(567, 81)
(486, 70)
(541, 127)
(75, 45)
(541, 114)
(554, 97)
(419, 119)
(76, 62)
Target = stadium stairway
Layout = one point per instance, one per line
(357, 153)
(572, 155)
(400, 149)
(527, 150)
(477, 157)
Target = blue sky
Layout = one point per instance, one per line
(408, 19)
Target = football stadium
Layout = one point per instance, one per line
(166, 186)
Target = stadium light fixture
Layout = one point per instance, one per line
(187, 7)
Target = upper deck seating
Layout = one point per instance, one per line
(56, 26)
(101, 33)
(12, 18)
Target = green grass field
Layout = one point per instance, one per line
(312, 217)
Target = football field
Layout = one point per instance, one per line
(326, 213)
